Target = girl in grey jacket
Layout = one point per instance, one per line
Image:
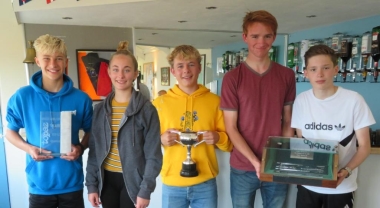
(125, 151)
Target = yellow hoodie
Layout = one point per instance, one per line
(196, 112)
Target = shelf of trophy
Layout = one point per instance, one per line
(375, 150)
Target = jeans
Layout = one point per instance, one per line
(198, 196)
(243, 190)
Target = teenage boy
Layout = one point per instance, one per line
(53, 181)
(257, 98)
(189, 106)
(351, 121)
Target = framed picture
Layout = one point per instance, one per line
(202, 75)
(93, 76)
(149, 74)
(165, 76)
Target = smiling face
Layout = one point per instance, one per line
(259, 39)
(320, 70)
(52, 65)
(122, 72)
(186, 71)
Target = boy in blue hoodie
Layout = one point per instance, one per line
(53, 181)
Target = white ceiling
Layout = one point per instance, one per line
(204, 28)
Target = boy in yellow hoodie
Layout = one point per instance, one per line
(189, 106)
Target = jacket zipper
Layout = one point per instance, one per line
(101, 168)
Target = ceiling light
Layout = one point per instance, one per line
(182, 21)
(67, 18)
(232, 36)
(154, 33)
(140, 39)
(211, 7)
(212, 40)
(311, 16)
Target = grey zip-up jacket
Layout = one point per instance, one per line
(139, 146)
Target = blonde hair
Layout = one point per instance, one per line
(185, 52)
(48, 44)
(122, 49)
(261, 16)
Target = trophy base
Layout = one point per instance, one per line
(189, 170)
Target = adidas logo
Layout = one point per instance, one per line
(320, 126)
(340, 127)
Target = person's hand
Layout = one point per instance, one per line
(257, 166)
(211, 137)
(76, 152)
(342, 174)
(142, 203)
(34, 152)
(93, 198)
(168, 138)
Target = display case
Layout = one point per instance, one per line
(300, 161)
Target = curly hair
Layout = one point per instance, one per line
(186, 52)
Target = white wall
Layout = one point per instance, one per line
(12, 76)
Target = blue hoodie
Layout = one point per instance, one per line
(54, 176)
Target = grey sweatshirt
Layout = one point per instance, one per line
(139, 146)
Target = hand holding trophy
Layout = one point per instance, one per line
(188, 139)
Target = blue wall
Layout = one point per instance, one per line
(219, 50)
(370, 91)
(354, 27)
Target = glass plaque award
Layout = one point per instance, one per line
(55, 135)
(300, 161)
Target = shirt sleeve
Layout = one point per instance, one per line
(87, 119)
(362, 114)
(224, 142)
(229, 98)
(291, 90)
(296, 114)
(14, 116)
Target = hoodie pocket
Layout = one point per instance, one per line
(54, 174)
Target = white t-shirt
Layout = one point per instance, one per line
(334, 118)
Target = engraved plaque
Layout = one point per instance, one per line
(300, 161)
(55, 132)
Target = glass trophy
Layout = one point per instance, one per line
(55, 132)
(301, 161)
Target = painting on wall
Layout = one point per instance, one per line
(93, 76)
(202, 75)
(148, 73)
(165, 76)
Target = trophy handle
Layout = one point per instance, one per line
(179, 142)
(199, 133)
(179, 133)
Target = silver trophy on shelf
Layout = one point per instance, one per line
(189, 139)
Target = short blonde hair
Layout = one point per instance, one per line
(185, 52)
(49, 44)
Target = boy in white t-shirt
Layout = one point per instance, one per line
(344, 116)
